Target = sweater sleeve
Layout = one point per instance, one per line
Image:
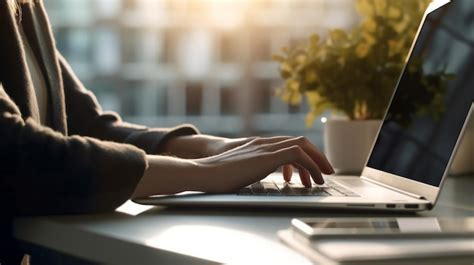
(85, 117)
(45, 172)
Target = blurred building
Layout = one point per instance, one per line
(207, 62)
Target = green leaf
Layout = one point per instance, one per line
(278, 58)
(338, 35)
(314, 39)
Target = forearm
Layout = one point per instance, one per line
(167, 175)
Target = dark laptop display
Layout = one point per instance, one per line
(433, 98)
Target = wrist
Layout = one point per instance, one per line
(167, 175)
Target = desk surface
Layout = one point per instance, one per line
(198, 236)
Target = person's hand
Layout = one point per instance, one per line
(235, 168)
(253, 161)
(216, 145)
(201, 145)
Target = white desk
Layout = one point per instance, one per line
(198, 236)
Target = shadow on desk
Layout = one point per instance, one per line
(39, 255)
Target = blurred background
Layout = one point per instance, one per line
(206, 62)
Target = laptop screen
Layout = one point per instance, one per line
(432, 100)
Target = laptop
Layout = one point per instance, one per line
(415, 144)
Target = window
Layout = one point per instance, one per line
(164, 62)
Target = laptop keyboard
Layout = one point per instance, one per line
(273, 188)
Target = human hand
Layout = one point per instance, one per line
(254, 160)
(201, 145)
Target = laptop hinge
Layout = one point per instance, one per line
(393, 188)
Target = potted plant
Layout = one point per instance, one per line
(352, 73)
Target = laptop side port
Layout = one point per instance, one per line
(391, 205)
(411, 206)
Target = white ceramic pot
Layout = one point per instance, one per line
(347, 143)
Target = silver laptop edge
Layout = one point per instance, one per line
(410, 187)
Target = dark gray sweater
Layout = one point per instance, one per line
(87, 161)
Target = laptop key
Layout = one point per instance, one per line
(287, 191)
(273, 192)
(284, 188)
(270, 188)
(257, 188)
(245, 191)
(299, 189)
(318, 191)
(334, 192)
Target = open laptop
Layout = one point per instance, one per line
(415, 143)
